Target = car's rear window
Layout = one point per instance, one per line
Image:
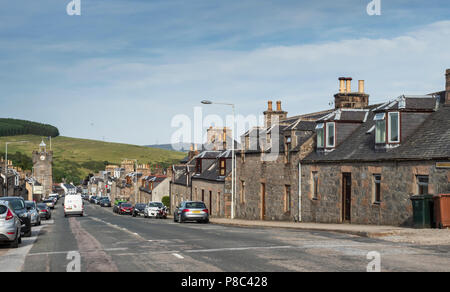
(29, 204)
(16, 204)
(126, 205)
(48, 201)
(158, 205)
(3, 209)
(195, 205)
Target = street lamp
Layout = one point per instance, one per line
(6, 162)
(233, 159)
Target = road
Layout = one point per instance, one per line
(109, 242)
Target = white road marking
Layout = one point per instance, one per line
(238, 248)
(178, 256)
(84, 252)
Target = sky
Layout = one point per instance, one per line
(123, 69)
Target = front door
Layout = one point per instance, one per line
(346, 197)
(210, 203)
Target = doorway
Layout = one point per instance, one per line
(346, 197)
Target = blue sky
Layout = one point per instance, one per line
(124, 68)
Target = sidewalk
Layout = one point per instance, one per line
(389, 233)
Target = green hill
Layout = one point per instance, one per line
(75, 158)
(14, 127)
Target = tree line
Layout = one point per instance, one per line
(13, 127)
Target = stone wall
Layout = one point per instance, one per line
(213, 195)
(398, 183)
(178, 193)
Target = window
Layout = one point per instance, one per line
(380, 128)
(320, 135)
(422, 184)
(330, 135)
(315, 185)
(287, 198)
(222, 167)
(242, 193)
(198, 166)
(376, 188)
(287, 148)
(394, 127)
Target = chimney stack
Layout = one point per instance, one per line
(361, 86)
(348, 99)
(447, 87)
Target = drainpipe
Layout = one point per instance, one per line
(299, 192)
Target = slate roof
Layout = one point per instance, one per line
(429, 141)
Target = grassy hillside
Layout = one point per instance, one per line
(76, 158)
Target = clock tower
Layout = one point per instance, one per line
(42, 168)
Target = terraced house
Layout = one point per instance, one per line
(359, 163)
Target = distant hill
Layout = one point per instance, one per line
(75, 158)
(14, 127)
(184, 147)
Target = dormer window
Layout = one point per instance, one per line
(330, 135)
(222, 167)
(394, 127)
(320, 135)
(380, 128)
(198, 166)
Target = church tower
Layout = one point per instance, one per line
(43, 172)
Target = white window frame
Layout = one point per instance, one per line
(389, 127)
(321, 126)
(327, 135)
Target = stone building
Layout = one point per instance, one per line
(358, 163)
(154, 188)
(42, 166)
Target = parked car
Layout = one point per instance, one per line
(99, 200)
(17, 204)
(92, 199)
(54, 197)
(139, 210)
(44, 211)
(126, 208)
(50, 203)
(10, 225)
(105, 202)
(191, 211)
(156, 210)
(32, 209)
(73, 205)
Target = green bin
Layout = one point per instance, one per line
(423, 211)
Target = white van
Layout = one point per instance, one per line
(73, 205)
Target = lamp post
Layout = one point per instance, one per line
(6, 162)
(233, 159)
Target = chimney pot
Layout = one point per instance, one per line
(269, 105)
(361, 86)
(279, 106)
(342, 84)
(349, 84)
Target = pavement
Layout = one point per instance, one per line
(104, 241)
(388, 233)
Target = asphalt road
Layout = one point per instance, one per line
(108, 242)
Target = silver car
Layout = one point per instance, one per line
(10, 225)
(34, 212)
(191, 211)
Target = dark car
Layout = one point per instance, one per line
(105, 202)
(139, 210)
(19, 207)
(44, 211)
(126, 208)
(92, 200)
